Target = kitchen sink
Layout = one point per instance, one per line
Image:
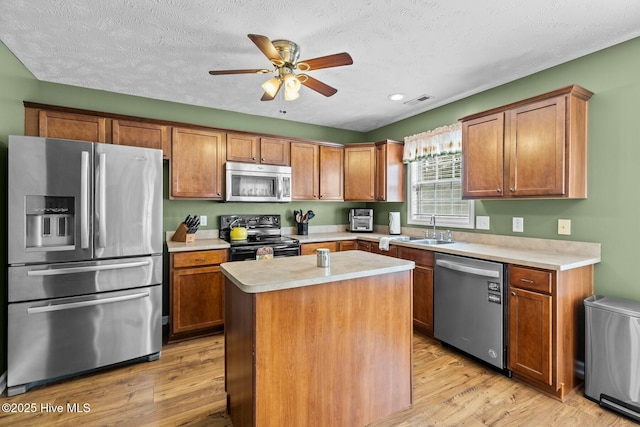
(431, 241)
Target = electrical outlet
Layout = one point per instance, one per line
(564, 227)
(518, 224)
(482, 223)
(203, 220)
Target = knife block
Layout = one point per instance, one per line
(181, 234)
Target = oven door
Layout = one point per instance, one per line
(248, 253)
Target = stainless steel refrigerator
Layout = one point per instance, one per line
(85, 258)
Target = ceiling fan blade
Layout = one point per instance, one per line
(317, 85)
(267, 97)
(266, 47)
(335, 60)
(252, 71)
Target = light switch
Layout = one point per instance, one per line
(203, 220)
(564, 226)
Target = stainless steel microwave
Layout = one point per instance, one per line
(249, 182)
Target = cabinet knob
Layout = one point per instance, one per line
(253, 158)
(513, 294)
(512, 189)
(499, 190)
(262, 159)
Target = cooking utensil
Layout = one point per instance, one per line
(310, 215)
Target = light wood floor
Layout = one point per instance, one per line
(186, 387)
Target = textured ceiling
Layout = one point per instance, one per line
(447, 49)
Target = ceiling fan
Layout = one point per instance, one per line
(283, 54)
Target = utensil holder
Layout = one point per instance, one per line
(303, 228)
(181, 234)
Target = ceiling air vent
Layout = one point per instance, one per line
(416, 101)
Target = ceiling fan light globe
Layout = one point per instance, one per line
(271, 86)
(290, 94)
(291, 82)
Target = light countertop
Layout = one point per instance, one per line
(286, 273)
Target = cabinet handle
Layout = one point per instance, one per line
(513, 294)
(527, 281)
(499, 190)
(262, 159)
(512, 189)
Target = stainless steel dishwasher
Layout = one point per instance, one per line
(469, 307)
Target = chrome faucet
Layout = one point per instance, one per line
(433, 222)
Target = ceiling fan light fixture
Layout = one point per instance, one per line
(291, 87)
(271, 86)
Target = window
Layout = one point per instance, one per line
(435, 187)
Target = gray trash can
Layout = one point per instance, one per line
(612, 354)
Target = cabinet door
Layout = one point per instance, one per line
(363, 246)
(275, 151)
(331, 173)
(347, 245)
(536, 149)
(305, 171)
(140, 134)
(242, 148)
(359, 173)
(197, 299)
(196, 164)
(82, 127)
(483, 156)
(423, 300)
(389, 182)
(530, 334)
(310, 248)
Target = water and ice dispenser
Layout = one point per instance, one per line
(50, 222)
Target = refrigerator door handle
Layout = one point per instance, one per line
(84, 200)
(467, 269)
(102, 200)
(86, 269)
(87, 303)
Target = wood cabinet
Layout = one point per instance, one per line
(374, 247)
(536, 148)
(141, 134)
(546, 326)
(197, 293)
(390, 176)
(255, 149)
(310, 248)
(422, 287)
(359, 172)
(347, 245)
(57, 124)
(374, 172)
(317, 171)
(197, 170)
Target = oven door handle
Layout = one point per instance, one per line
(467, 269)
(87, 303)
(86, 269)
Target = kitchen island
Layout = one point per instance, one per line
(306, 345)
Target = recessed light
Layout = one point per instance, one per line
(396, 96)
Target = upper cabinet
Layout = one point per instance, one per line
(68, 123)
(317, 171)
(374, 172)
(197, 157)
(141, 134)
(536, 148)
(359, 172)
(56, 124)
(255, 149)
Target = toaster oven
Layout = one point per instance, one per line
(361, 220)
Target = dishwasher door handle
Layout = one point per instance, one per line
(467, 269)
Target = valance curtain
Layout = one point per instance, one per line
(442, 140)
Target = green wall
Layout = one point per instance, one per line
(606, 216)
(609, 214)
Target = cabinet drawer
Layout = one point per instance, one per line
(197, 258)
(532, 279)
(310, 248)
(419, 256)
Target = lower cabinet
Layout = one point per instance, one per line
(197, 293)
(546, 326)
(422, 288)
